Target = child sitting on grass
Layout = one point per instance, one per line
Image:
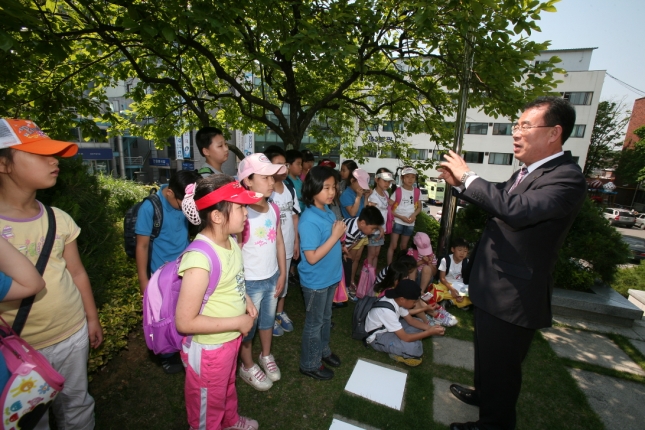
(426, 261)
(394, 331)
(450, 272)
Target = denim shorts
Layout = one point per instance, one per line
(403, 230)
(262, 294)
(373, 241)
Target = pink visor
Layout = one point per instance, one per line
(231, 192)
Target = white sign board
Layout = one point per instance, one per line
(179, 150)
(186, 142)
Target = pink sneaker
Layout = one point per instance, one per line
(244, 424)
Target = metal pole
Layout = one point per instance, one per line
(449, 208)
(119, 142)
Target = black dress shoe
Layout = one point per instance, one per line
(332, 360)
(464, 426)
(321, 373)
(466, 395)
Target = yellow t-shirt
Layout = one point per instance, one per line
(57, 312)
(229, 298)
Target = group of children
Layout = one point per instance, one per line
(280, 214)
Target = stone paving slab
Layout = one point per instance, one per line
(447, 409)
(453, 352)
(639, 345)
(590, 348)
(637, 331)
(618, 403)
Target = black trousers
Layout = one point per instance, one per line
(500, 349)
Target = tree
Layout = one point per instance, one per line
(606, 136)
(631, 166)
(291, 67)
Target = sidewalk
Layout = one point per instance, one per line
(612, 381)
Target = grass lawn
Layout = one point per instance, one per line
(629, 278)
(132, 392)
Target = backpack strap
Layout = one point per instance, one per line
(41, 264)
(378, 304)
(292, 190)
(157, 222)
(205, 170)
(398, 195)
(205, 248)
(417, 196)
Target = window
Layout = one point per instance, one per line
(392, 126)
(474, 157)
(502, 129)
(368, 127)
(500, 158)
(417, 154)
(578, 98)
(388, 153)
(476, 128)
(578, 130)
(371, 154)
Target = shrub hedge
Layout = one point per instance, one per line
(98, 204)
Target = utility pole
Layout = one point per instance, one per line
(119, 142)
(449, 208)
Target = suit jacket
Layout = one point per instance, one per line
(512, 270)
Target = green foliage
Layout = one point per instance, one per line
(98, 204)
(427, 225)
(606, 136)
(631, 168)
(288, 67)
(592, 249)
(629, 278)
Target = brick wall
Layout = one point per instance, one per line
(635, 121)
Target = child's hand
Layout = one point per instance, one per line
(95, 333)
(436, 330)
(280, 286)
(459, 299)
(412, 218)
(338, 230)
(345, 252)
(246, 323)
(250, 308)
(381, 233)
(454, 293)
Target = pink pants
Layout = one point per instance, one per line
(211, 398)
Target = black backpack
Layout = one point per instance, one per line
(465, 268)
(363, 307)
(130, 220)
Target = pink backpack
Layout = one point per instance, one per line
(161, 295)
(33, 383)
(366, 282)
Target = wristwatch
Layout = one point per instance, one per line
(467, 175)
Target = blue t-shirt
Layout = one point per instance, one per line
(315, 228)
(173, 236)
(5, 284)
(347, 199)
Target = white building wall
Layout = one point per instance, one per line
(572, 81)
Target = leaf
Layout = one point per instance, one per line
(168, 33)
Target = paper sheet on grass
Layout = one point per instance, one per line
(337, 424)
(378, 383)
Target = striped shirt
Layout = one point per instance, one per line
(352, 234)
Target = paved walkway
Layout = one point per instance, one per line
(618, 402)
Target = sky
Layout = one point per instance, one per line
(615, 27)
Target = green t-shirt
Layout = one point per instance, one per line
(229, 298)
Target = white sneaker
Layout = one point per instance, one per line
(255, 377)
(244, 424)
(270, 368)
(446, 319)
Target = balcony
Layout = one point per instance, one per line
(132, 162)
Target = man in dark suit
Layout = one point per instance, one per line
(511, 279)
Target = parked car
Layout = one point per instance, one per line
(619, 217)
(640, 221)
(636, 246)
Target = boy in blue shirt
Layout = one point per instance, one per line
(172, 239)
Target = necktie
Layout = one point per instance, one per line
(523, 172)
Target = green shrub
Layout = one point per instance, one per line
(591, 250)
(629, 278)
(98, 204)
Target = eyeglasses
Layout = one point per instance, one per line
(524, 128)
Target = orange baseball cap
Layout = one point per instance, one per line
(24, 135)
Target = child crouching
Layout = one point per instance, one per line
(396, 332)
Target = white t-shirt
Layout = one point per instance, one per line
(384, 317)
(454, 274)
(406, 207)
(260, 250)
(381, 203)
(287, 203)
